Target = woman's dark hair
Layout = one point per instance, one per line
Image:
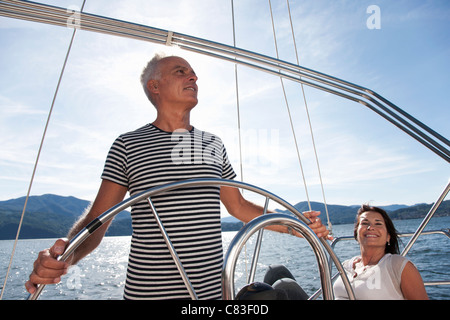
(392, 245)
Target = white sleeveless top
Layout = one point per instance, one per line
(373, 282)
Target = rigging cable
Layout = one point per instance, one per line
(237, 93)
(39, 153)
(238, 118)
(330, 228)
(307, 112)
(289, 112)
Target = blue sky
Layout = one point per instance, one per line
(362, 157)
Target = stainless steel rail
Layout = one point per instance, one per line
(255, 258)
(427, 219)
(146, 195)
(258, 224)
(173, 252)
(27, 10)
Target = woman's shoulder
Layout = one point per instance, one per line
(396, 261)
(395, 258)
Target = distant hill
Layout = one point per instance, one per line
(51, 216)
(340, 214)
(346, 214)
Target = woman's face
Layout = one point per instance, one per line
(372, 231)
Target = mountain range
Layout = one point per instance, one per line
(51, 216)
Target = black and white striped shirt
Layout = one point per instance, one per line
(148, 157)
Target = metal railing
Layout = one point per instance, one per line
(37, 12)
(258, 224)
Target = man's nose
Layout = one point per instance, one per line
(192, 76)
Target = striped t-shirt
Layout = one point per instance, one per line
(148, 157)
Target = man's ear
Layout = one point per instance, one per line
(152, 86)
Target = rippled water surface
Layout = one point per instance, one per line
(101, 275)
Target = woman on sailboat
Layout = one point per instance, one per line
(379, 273)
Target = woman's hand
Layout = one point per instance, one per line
(316, 224)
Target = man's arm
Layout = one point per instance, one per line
(246, 211)
(47, 269)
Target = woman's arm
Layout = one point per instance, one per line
(412, 284)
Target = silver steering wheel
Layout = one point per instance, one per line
(297, 222)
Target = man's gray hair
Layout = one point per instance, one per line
(151, 72)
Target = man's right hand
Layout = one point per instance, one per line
(47, 269)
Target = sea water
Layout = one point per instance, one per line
(101, 275)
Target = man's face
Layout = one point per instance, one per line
(177, 83)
